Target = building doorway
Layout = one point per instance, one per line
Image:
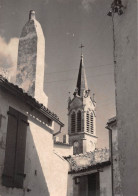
(93, 185)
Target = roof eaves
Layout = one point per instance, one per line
(14, 89)
(91, 167)
(61, 143)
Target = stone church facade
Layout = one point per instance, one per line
(32, 161)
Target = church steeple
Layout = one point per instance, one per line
(82, 81)
(81, 115)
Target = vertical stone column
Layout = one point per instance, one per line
(31, 60)
(84, 145)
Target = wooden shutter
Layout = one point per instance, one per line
(13, 174)
(20, 150)
(8, 174)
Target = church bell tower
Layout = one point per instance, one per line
(82, 116)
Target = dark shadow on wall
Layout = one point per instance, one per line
(35, 181)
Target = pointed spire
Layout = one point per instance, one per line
(82, 81)
(32, 15)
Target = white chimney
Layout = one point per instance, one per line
(31, 60)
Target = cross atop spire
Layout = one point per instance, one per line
(81, 46)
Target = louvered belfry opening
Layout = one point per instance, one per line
(79, 121)
(88, 121)
(13, 173)
(73, 122)
(91, 120)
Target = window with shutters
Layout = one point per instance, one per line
(73, 122)
(79, 121)
(13, 173)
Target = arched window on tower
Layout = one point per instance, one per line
(79, 121)
(87, 121)
(73, 122)
(91, 123)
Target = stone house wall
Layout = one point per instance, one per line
(126, 83)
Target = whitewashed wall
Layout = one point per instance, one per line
(46, 172)
(63, 150)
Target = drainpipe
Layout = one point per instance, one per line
(111, 158)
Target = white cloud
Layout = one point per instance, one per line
(87, 4)
(8, 56)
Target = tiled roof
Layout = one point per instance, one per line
(61, 143)
(89, 160)
(14, 89)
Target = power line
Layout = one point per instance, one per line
(75, 79)
(77, 69)
(98, 34)
(105, 104)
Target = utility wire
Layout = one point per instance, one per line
(78, 69)
(72, 79)
(98, 34)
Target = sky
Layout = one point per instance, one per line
(66, 24)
